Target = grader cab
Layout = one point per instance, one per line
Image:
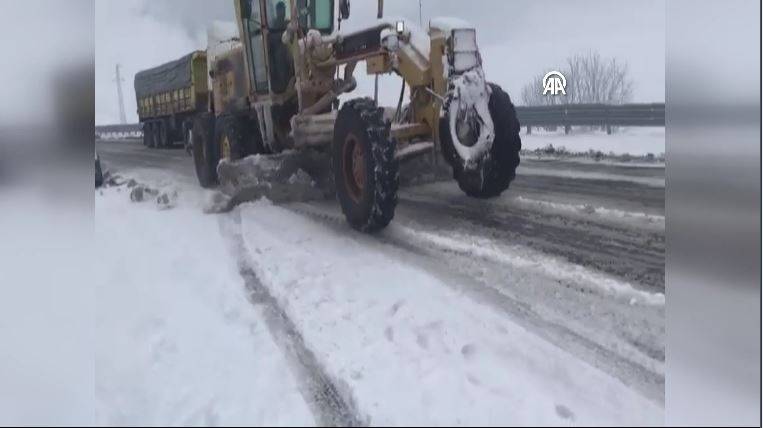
(279, 89)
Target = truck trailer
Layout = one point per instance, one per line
(169, 97)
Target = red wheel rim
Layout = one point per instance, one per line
(353, 167)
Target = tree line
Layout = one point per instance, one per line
(591, 78)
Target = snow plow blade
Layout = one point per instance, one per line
(285, 177)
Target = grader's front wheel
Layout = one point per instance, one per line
(492, 175)
(364, 165)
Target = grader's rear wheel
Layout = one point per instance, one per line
(205, 155)
(364, 165)
(238, 137)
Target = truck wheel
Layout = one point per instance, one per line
(162, 134)
(147, 134)
(187, 132)
(364, 165)
(494, 173)
(150, 130)
(205, 155)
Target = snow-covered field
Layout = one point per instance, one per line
(633, 140)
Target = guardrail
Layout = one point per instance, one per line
(603, 115)
(566, 115)
(130, 130)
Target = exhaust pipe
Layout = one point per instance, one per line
(380, 10)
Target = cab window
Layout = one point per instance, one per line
(316, 14)
(278, 12)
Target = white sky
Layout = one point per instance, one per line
(518, 39)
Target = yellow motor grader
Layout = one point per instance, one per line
(278, 88)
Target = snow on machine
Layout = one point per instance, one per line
(278, 88)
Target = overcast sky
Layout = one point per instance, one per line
(518, 38)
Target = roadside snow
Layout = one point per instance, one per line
(530, 169)
(633, 140)
(411, 349)
(177, 342)
(588, 210)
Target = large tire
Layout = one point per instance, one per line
(150, 129)
(162, 134)
(147, 134)
(242, 135)
(205, 155)
(187, 132)
(364, 165)
(252, 143)
(494, 173)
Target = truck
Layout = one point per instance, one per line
(279, 89)
(169, 97)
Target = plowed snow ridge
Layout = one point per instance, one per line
(414, 351)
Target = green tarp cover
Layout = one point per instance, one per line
(166, 77)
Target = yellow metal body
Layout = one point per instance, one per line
(229, 81)
(313, 88)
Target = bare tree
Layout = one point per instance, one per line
(590, 79)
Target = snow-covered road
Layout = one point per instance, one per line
(544, 306)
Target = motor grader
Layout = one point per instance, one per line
(279, 88)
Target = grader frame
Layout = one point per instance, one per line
(279, 89)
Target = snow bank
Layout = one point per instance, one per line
(177, 342)
(414, 351)
(589, 210)
(532, 169)
(634, 141)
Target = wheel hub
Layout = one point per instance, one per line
(353, 167)
(467, 127)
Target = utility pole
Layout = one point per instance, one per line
(122, 116)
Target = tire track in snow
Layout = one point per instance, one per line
(648, 382)
(635, 255)
(330, 403)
